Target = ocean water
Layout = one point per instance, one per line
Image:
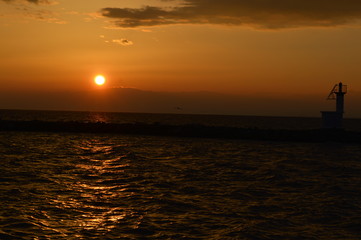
(100, 186)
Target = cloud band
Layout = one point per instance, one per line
(257, 13)
(30, 1)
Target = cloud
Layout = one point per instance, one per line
(43, 15)
(265, 14)
(30, 1)
(123, 42)
(25, 9)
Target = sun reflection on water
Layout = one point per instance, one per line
(94, 187)
(100, 117)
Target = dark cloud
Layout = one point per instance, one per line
(257, 13)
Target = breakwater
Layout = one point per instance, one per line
(189, 130)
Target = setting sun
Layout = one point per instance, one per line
(99, 80)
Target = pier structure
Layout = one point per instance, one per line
(333, 119)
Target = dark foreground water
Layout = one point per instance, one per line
(87, 186)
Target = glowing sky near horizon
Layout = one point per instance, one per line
(243, 47)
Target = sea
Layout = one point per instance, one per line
(109, 186)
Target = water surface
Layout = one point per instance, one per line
(98, 186)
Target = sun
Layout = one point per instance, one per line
(99, 80)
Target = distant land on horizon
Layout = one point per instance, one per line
(136, 100)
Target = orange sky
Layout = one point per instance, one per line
(246, 48)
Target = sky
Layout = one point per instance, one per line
(247, 57)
